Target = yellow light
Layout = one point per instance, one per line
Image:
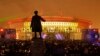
(57, 25)
(17, 36)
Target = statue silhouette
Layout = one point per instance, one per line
(36, 24)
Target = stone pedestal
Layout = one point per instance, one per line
(37, 47)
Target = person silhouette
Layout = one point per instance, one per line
(36, 24)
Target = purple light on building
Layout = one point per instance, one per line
(44, 36)
(59, 36)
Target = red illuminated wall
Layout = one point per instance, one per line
(82, 23)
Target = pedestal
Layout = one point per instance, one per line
(37, 47)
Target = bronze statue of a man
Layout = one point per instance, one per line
(36, 24)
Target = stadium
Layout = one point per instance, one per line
(61, 27)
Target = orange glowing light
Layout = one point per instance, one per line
(1, 30)
(9, 22)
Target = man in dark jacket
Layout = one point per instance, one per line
(36, 23)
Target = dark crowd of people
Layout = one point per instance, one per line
(14, 48)
(71, 48)
(52, 48)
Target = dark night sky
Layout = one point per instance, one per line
(87, 9)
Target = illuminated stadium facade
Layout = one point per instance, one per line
(54, 24)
